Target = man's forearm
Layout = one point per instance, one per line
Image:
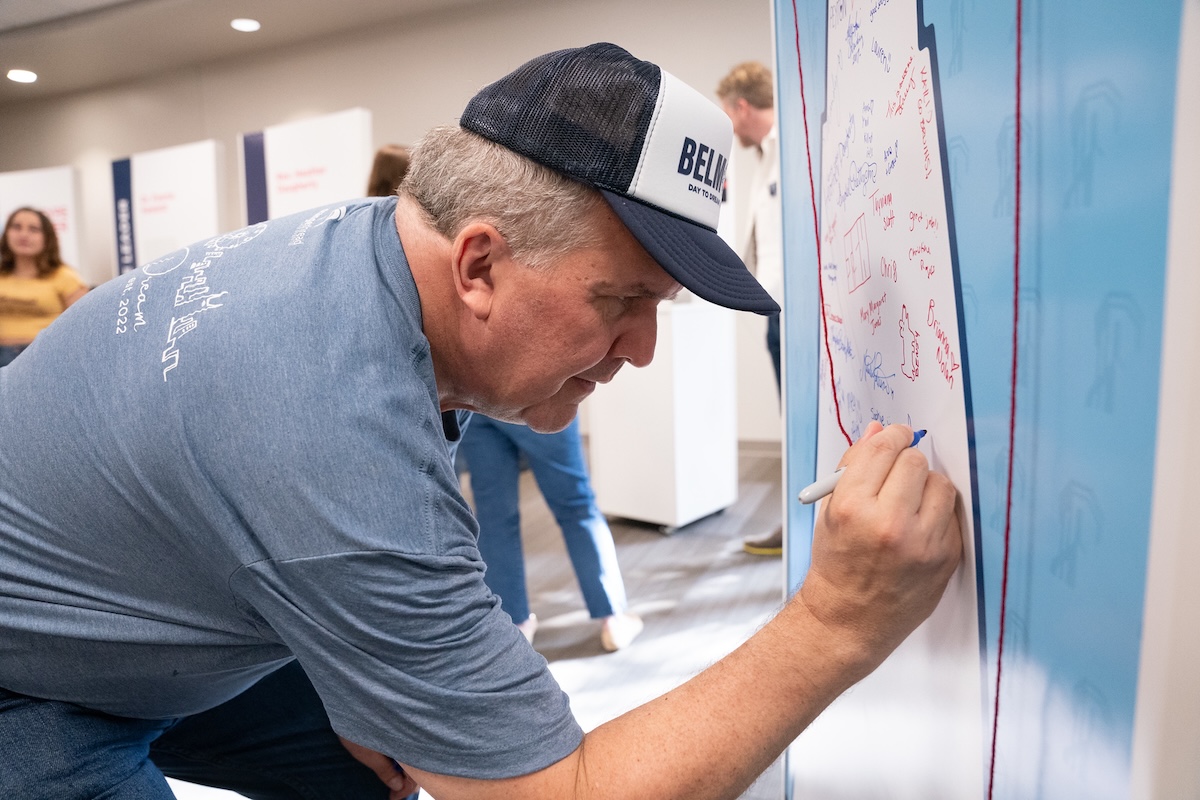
(710, 737)
(885, 545)
(714, 735)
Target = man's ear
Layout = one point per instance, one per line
(475, 254)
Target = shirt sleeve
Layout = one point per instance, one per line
(360, 556)
(414, 658)
(67, 282)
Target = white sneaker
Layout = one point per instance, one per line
(529, 627)
(619, 631)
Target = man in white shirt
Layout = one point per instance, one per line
(747, 96)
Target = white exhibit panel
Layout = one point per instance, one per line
(893, 350)
(1166, 741)
(300, 165)
(52, 191)
(663, 439)
(164, 200)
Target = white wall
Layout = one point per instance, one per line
(1166, 734)
(412, 75)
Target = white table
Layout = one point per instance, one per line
(663, 439)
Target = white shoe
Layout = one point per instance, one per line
(529, 627)
(619, 631)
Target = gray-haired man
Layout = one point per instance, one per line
(230, 525)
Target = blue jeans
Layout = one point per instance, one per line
(10, 351)
(773, 346)
(270, 743)
(492, 451)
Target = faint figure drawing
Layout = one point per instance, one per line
(1078, 723)
(1097, 104)
(1006, 143)
(1079, 517)
(958, 156)
(1019, 491)
(958, 30)
(1093, 716)
(1016, 633)
(1029, 330)
(1118, 331)
(970, 306)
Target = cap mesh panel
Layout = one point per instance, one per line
(580, 112)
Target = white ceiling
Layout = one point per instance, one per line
(74, 45)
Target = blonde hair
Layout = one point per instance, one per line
(750, 81)
(458, 177)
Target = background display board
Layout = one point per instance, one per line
(52, 191)
(301, 165)
(163, 200)
(981, 251)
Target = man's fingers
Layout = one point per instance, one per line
(906, 484)
(869, 461)
(873, 427)
(939, 497)
(388, 771)
(941, 502)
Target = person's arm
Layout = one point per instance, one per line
(70, 286)
(73, 296)
(886, 543)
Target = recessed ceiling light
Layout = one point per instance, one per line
(245, 25)
(22, 76)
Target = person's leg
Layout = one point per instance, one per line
(272, 742)
(494, 464)
(8, 353)
(558, 465)
(769, 544)
(61, 751)
(773, 346)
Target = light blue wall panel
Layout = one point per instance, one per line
(1097, 117)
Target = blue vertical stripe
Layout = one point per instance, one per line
(255, 160)
(123, 214)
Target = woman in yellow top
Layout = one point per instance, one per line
(35, 285)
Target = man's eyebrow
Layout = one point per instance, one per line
(639, 290)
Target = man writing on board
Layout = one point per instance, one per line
(230, 525)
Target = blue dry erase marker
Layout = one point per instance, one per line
(825, 486)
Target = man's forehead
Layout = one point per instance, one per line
(629, 270)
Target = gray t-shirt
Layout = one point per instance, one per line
(234, 456)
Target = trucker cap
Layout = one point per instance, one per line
(655, 148)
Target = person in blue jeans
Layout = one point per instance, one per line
(493, 452)
(235, 746)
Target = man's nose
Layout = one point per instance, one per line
(636, 343)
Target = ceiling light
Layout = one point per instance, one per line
(22, 76)
(245, 25)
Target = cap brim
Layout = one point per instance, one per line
(693, 255)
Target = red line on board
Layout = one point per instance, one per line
(816, 228)
(1012, 411)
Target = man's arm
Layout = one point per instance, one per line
(887, 542)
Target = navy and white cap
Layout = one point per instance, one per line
(655, 148)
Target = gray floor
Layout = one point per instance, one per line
(699, 593)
